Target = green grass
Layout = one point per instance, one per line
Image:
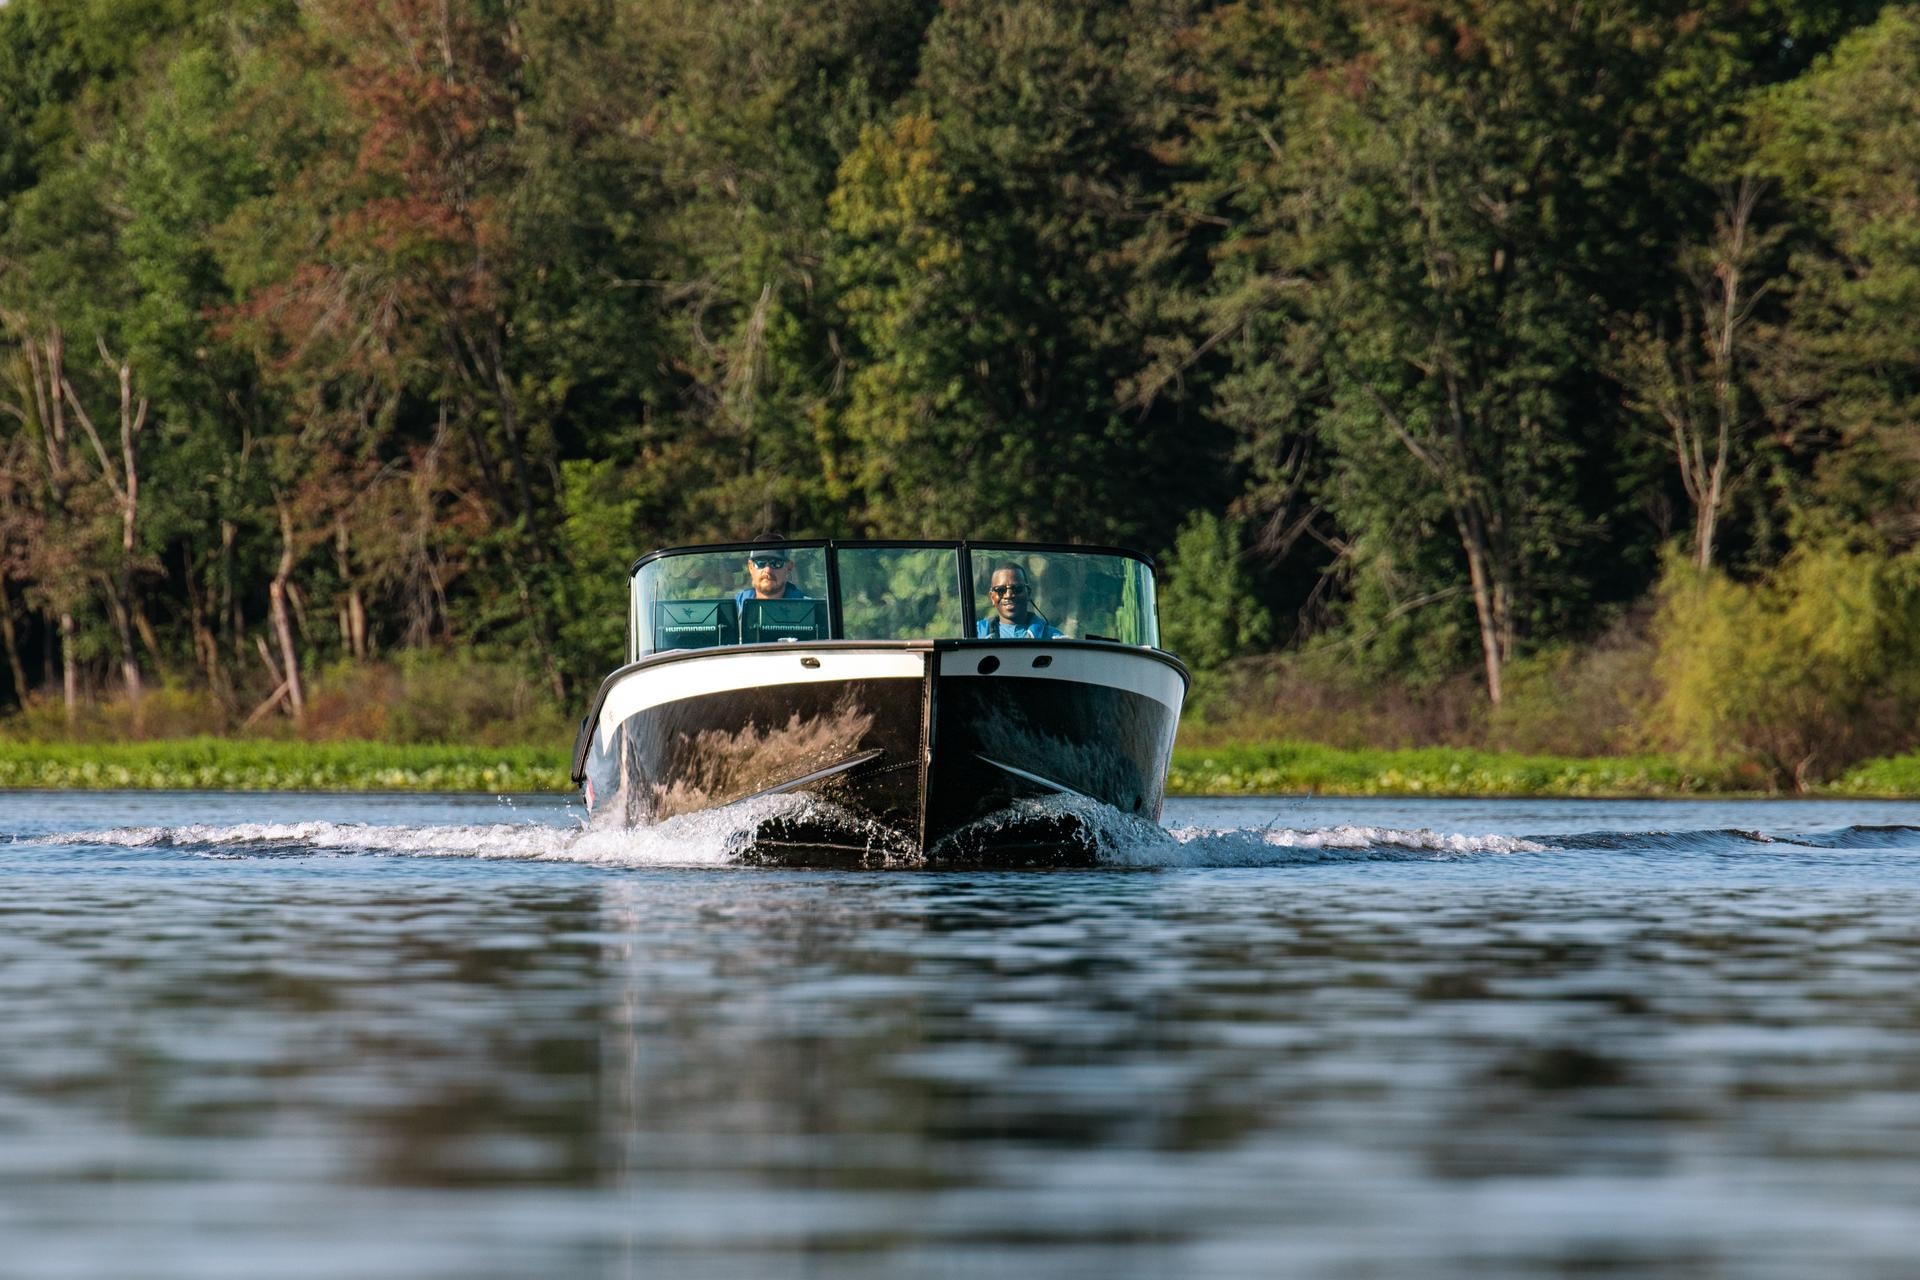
(1895, 777)
(1295, 767)
(1278, 768)
(251, 765)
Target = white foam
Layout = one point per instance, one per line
(1271, 846)
(723, 837)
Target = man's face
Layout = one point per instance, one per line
(769, 571)
(1010, 595)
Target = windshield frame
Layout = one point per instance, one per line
(963, 551)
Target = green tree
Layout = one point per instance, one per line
(1842, 141)
(1208, 610)
(1426, 220)
(993, 242)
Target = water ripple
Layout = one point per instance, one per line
(316, 1037)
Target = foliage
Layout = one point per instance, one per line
(1804, 672)
(434, 313)
(1897, 776)
(224, 765)
(1282, 768)
(435, 698)
(598, 516)
(1841, 141)
(1208, 610)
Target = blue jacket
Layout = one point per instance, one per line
(994, 629)
(791, 593)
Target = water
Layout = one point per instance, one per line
(307, 1036)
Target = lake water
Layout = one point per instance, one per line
(306, 1036)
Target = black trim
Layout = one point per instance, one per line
(963, 564)
(836, 624)
(962, 545)
(1024, 775)
(929, 737)
(836, 621)
(818, 775)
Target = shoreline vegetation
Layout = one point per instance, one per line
(1575, 725)
(1263, 768)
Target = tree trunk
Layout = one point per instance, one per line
(46, 368)
(1728, 309)
(282, 625)
(126, 492)
(123, 632)
(12, 642)
(356, 625)
(353, 611)
(130, 425)
(69, 668)
(230, 613)
(283, 631)
(206, 649)
(1490, 604)
(1704, 523)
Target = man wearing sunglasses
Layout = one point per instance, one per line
(1013, 616)
(769, 577)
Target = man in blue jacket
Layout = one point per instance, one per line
(1013, 616)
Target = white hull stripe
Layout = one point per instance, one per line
(1119, 669)
(697, 677)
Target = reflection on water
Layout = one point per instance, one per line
(1612, 1041)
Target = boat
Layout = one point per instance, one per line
(888, 702)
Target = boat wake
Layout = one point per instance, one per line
(727, 838)
(736, 836)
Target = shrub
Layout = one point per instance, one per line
(1207, 610)
(167, 711)
(1293, 767)
(1802, 673)
(208, 763)
(1322, 695)
(1579, 701)
(458, 698)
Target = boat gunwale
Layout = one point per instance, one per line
(667, 657)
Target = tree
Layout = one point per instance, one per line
(993, 241)
(378, 274)
(1209, 614)
(1841, 140)
(1691, 371)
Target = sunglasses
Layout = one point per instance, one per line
(1017, 589)
(768, 562)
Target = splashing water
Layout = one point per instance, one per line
(725, 837)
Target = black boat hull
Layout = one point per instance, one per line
(941, 751)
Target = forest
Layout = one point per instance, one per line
(1523, 372)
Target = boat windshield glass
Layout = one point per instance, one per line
(899, 593)
(701, 599)
(1078, 594)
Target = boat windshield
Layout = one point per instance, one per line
(708, 597)
(1081, 595)
(701, 599)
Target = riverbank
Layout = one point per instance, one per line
(240, 764)
(1273, 768)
